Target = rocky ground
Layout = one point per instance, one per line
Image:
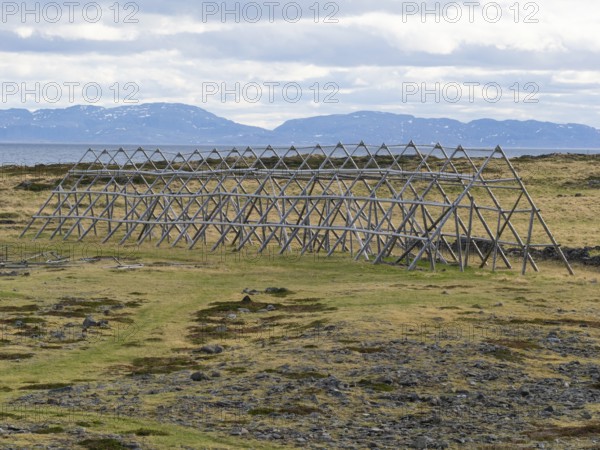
(581, 255)
(417, 386)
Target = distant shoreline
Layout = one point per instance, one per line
(30, 155)
(6, 165)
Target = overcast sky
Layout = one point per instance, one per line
(463, 60)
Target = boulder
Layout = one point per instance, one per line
(89, 322)
(212, 349)
(199, 376)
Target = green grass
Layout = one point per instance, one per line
(376, 386)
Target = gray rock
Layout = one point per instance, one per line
(212, 349)
(199, 376)
(89, 322)
(58, 335)
(422, 442)
(524, 391)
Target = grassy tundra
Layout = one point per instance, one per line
(349, 354)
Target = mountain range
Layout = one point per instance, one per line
(174, 123)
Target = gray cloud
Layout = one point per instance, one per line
(372, 49)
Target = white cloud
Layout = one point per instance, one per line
(24, 32)
(171, 53)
